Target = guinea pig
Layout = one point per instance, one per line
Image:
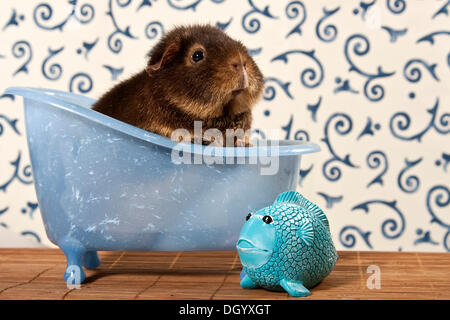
(194, 73)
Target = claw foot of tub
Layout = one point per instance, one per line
(74, 251)
(74, 275)
(91, 260)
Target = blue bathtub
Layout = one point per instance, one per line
(105, 185)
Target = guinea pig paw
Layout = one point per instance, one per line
(243, 142)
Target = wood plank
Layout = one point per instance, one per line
(38, 274)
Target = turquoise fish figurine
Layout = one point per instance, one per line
(286, 246)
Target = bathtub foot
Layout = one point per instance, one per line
(91, 260)
(74, 251)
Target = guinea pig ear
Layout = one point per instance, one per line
(166, 57)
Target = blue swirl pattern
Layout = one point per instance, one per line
(270, 92)
(390, 228)
(357, 77)
(23, 176)
(22, 49)
(115, 44)
(154, 29)
(44, 12)
(82, 81)
(439, 195)
(300, 135)
(396, 6)
(308, 77)
(377, 159)
(402, 122)
(414, 74)
(342, 127)
(329, 33)
(360, 48)
(293, 10)
(54, 71)
(411, 183)
(348, 240)
(253, 25)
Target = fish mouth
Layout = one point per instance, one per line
(245, 245)
(250, 255)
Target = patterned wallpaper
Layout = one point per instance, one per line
(366, 80)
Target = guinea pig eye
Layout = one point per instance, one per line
(267, 219)
(248, 216)
(197, 56)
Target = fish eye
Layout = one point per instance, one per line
(197, 56)
(248, 216)
(267, 219)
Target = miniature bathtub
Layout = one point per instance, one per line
(102, 184)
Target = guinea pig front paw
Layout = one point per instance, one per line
(242, 142)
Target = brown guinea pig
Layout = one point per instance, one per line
(194, 73)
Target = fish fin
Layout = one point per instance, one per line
(242, 275)
(247, 283)
(294, 288)
(306, 232)
(296, 198)
(320, 214)
(289, 196)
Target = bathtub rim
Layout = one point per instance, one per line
(56, 98)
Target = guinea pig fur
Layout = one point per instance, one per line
(194, 73)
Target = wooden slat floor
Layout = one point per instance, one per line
(37, 274)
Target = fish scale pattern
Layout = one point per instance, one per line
(292, 258)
